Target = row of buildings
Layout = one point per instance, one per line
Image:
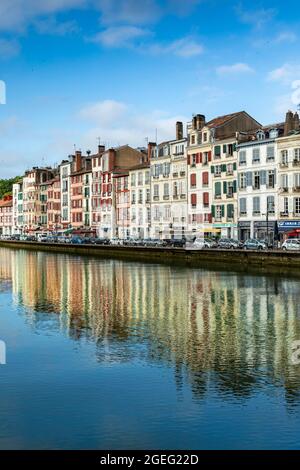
(228, 177)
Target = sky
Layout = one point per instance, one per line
(74, 73)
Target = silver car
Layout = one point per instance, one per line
(292, 244)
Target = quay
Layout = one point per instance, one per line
(268, 261)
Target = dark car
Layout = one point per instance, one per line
(179, 242)
(100, 241)
(76, 241)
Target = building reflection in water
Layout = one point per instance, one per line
(223, 330)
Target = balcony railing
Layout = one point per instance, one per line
(166, 197)
(284, 165)
(296, 162)
(296, 189)
(284, 214)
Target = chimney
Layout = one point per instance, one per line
(151, 146)
(194, 123)
(101, 149)
(296, 122)
(78, 160)
(289, 123)
(200, 121)
(179, 130)
(111, 159)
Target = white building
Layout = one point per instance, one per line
(258, 185)
(140, 201)
(18, 220)
(65, 180)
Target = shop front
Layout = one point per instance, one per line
(244, 231)
(266, 231)
(288, 229)
(228, 230)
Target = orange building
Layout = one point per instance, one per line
(6, 215)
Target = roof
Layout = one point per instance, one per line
(141, 166)
(8, 203)
(221, 120)
(278, 125)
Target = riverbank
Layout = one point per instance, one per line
(237, 260)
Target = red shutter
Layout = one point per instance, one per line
(201, 157)
(205, 199)
(193, 179)
(205, 177)
(194, 199)
(209, 156)
(188, 159)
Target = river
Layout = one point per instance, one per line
(107, 354)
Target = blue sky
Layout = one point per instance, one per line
(77, 70)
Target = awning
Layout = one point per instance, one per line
(209, 230)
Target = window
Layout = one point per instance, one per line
(175, 189)
(230, 211)
(205, 179)
(297, 155)
(147, 177)
(193, 180)
(242, 157)
(194, 200)
(256, 183)
(218, 190)
(205, 199)
(270, 153)
(297, 180)
(243, 206)
(140, 178)
(271, 179)
(256, 206)
(147, 195)
(284, 157)
(230, 189)
(271, 205)
(219, 212)
(156, 191)
(166, 190)
(193, 139)
(204, 136)
(133, 179)
(218, 170)
(256, 155)
(273, 134)
(217, 151)
(297, 206)
(140, 196)
(243, 183)
(286, 205)
(284, 181)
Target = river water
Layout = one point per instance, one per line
(105, 354)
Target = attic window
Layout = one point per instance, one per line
(273, 133)
(260, 135)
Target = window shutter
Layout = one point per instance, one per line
(209, 156)
(205, 177)
(193, 179)
(201, 159)
(249, 178)
(223, 167)
(188, 159)
(223, 211)
(194, 199)
(234, 147)
(217, 151)
(224, 148)
(205, 199)
(212, 169)
(263, 177)
(234, 167)
(218, 189)
(224, 187)
(234, 186)
(213, 211)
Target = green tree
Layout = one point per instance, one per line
(6, 186)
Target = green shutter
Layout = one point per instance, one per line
(234, 167)
(230, 210)
(224, 187)
(223, 211)
(217, 151)
(223, 168)
(234, 147)
(224, 148)
(234, 186)
(218, 189)
(213, 211)
(212, 169)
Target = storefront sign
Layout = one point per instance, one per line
(288, 225)
(244, 225)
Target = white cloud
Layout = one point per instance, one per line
(120, 123)
(257, 17)
(128, 11)
(184, 47)
(52, 27)
(8, 48)
(120, 36)
(285, 74)
(285, 36)
(237, 68)
(103, 112)
(16, 16)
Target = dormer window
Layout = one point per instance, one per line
(273, 133)
(260, 135)
(204, 136)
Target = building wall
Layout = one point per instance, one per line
(140, 202)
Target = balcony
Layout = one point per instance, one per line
(229, 173)
(166, 197)
(175, 196)
(175, 175)
(296, 162)
(243, 214)
(296, 189)
(284, 214)
(155, 198)
(182, 196)
(296, 214)
(284, 165)
(218, 196)
(229, 196)
(284, 190)
(218, 175)
(256, 213)
(182, 173)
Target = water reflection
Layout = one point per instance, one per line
(222, 331)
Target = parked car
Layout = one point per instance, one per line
(228, 243)
(43, 239)
(76, 241)
(100, 241)
(179, 242)
(253, 244)
(292, 244)
(199, 244)
(116, 241)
